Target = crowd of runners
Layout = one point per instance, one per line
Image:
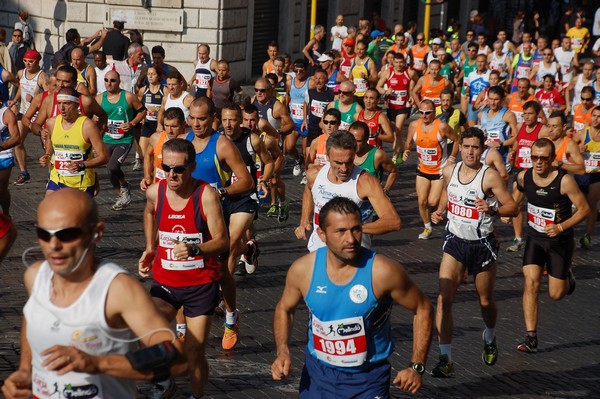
(494, 125)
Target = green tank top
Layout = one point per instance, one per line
(348, 116)
(468, 69)
(118, 113)
(446, 71)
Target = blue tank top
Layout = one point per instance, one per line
(355, 334)
(332, 82)
(297, 97)
(497, 130)
(208, 165)
(3, 90)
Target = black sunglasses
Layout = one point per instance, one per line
(110, 80)
(330, 122)
(586, 98)
(260, 90)
(425, 112)
(176, 169)
(347, 93)
(64, 235)
(542, 158)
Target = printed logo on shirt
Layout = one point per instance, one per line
(80, 392)
(321, 289)
(358, 293)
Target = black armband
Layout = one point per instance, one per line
(156, 358)
(140, 109)
(519, 186)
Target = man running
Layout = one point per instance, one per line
(550, 194)
(471, 196)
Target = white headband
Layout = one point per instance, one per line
(67, 97)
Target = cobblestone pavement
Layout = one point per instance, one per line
(566, 365)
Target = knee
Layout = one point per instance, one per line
(486, 301)
(432, 203)
(556, 295)
(531, 285)
(422, 202)
(444, 302)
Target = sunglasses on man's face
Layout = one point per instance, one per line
(64, 235)
(330, 122)
(110, 80)
(260, 90)
(176, 169)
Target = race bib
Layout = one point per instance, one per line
(166, 241)
(463, 214)
(203, 80)
(591, 161)
(522, 72)
(62, 160)
(160, 174)
(525, 156)
(539, 217)
(398, 97)
(428, 156)
(114, 129)
(360, 85)
(297, 111)
(341, 343)
(317, 108)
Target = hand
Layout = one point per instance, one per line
(265, 190)
(73, 167)
(145, 263)
(28, 97)
(409, 380)
(552, 230)
(126, 126)
(405, 155)
(17, 385)
(437, 216)
(281, 367)
(301, 231)
(481, 205)
(145, 183)
(45, 160)
(181, 250)
(64, 359)
(492, 143)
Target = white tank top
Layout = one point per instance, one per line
(564, 59)
(324, 190)
(28, 86)
(579, 85)
(544, 70)
(499, 62)
(464, 220)
(204, 74)
(100, 73)
(82, 325)
(178, 103)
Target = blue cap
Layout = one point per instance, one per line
(376, 33)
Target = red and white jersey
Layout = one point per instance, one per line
(399, 83)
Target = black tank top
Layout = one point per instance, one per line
(546, 205)
(263, 110)
(318, 100)
(244, 145)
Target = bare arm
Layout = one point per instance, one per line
(575, 159)
(280, 111)
(386, 132)
(10, 120)
(368, 187)
(409, 140)
(231, 157)
(307, 205)
(94, 135)
(383, 161)
(264, 155)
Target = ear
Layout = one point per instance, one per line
(322, 234)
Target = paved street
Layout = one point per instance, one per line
(567, 365)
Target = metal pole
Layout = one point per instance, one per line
(427, 21)
(313, 17)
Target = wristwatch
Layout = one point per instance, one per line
(222, 192)
(493, 210)
(196, 251)
(417, 367)
(80, 166)
(559, 164)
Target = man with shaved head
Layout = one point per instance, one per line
(77, 303)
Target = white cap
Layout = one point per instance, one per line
(437, 40)
(324, 57)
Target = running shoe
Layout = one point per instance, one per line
(231, 333)
(425, 234)
(22, 179)
(444, 369)
(297, 168)
(220, 309)
(585, 241)
(529, 345)
(273, 211)
(240, 270)
(303, 181)
(490, 352)
(250, 258)
(572, 282)
(397, 160)
(137, 164)
(517, 245)
(284, 213)
(123, 200)
(160, 392)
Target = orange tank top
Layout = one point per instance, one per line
(433, 93)
(581, 119)
(561, 151)
(321, 155)
(517, 107)
(419, 58)
(431, 148)
(159, 173)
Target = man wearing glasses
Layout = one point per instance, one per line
(83, 312)
(340, 177)
(125, 111)
(69, 147)
(551, 192)
(270, 108)
(185, 231)
(418, 52)
(547, 66)
(17, 50)
(430, 135)
(582, 114)
(317, 153)
(346, 104)
(469, 66)
(297, 87)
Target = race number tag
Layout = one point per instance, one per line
(114, 130)
(525, 155)
(203, 80)
(428, 156)
(317, 108)
(539, 217)
(341, 343)
(591, 160)
(62, 161)
(166, 241)
(398, 97)
(360, 85)
(297, 111)
(463, 214)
